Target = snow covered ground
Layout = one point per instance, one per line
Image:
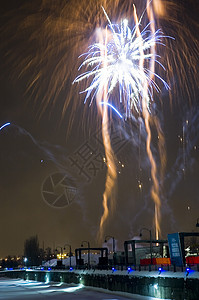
(20, 289)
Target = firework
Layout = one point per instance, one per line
(105, 103)
(55, 34)
(123, 60)
(122, 69)
(4, 125)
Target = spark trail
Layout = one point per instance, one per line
(145, 112)
(3, 126)
(111, 177)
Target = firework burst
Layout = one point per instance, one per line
(122, 70)
(124, 59)
(47, 37)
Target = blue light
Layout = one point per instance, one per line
(160, 269)
(6, 124)
(106, 103)
(113, 269)
(71, 268)
(187, 269)
(49, 269)
(42, 268)
(129, 269)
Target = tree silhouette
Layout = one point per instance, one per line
(32, 251)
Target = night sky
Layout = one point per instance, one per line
(51, 128)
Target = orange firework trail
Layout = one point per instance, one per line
(161, 148)
(155, 188)
(145, 112)
(111, 176)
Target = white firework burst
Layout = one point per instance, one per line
(114, 63)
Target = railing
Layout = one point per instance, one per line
(159, 268)
(114, 268)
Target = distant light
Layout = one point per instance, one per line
(113, 270)
(25, 259)
(6, 124)
(49, 269)
(41, 160)
(42, 268)
(71, 268)
(187, 269)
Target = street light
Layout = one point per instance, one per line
(197, 224)
(25, 261)
(110, 237)
(69, 252)
(88, 251)
(149, 230)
